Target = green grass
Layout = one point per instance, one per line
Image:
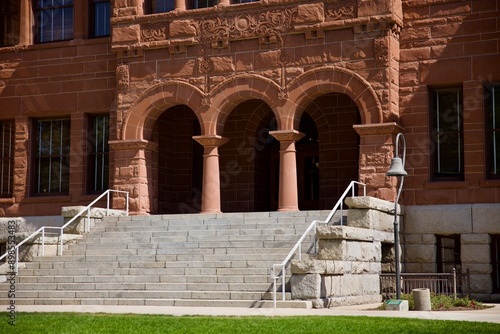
(55, 323)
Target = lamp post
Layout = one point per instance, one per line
(397, 168)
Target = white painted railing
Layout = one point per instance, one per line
(279, 270)
(42, 229)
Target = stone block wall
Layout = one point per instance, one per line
(475, 223)
(346, 270)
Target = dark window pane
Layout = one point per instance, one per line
(492, 107)
(447, 134)
(51, 160)
(98, 158)
(54, 20)
(163, 6)
(101, 17)
(6, 158)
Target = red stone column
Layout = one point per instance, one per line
(133, 166)
(25, 21)
(376, 150)
(288, 194)
(180, 4)
(210, 192)
(224, 2)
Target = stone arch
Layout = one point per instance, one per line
(154, 101)
(228, 94)
(332, 79)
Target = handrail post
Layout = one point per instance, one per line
(127, 204)
(283, 279)
(107, 202)
(454, 283)
(61, 242)
(273, 277)
(43, 242)
(17, 260)
(87, 226)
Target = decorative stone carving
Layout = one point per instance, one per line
(378, 129)
(153, 32)
(122, 77)
(341, 10)
(381, 50)
(211, 140)
(286, 135)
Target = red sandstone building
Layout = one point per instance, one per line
(244, 106)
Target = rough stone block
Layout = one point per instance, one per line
(306, 286)
(475, 239)
(311, 13)
(473, 253)
(481, 283)
(438, 219)
(344, 233)
(332, 250)
(368, 202)
(420, 253)
(485, 218)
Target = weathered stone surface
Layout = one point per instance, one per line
(182, 28)
(306, 286)
(343, 233)
(312, 266)
(486, 218)
(22, 228)
(368, 202)
(475, 239)
(128, 34)
(481, 283)
(474, 253)
(311, 13)
(332, 249)
(420, 253)
(438, 219)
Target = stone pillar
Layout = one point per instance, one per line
(224, 2)
(288, 194)
(180, 4)
(133, 172)
(210, 190)
(25, 23)
(376, 150)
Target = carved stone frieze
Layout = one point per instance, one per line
(287, 135)
(154, 32)
(390, 128)
(341, 10)
(139, 144)
(211, 140)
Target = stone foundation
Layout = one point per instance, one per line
(346, 270)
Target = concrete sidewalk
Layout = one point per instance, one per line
(487, 315)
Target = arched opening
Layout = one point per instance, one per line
(328, 155)
(179, 162)
(249, 162)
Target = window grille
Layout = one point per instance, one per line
(98, 159)
(54, 20)
(6, 158)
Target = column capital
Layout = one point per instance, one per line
(287, 135)
(390, 128)
(211, 140)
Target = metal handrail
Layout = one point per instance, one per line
(281, 267)
(61, 228)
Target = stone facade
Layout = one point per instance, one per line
(346, 270)
(265, 106)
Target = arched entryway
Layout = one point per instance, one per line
(328, 154)
(249, 161)
(178, 165)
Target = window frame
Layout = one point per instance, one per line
(436, 174)
(7, 142)
(492, 131)
(66, 31)
(37, 157)
(97, 158)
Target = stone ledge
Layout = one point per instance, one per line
(368, 202)
(344, 233)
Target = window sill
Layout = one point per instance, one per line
(7, 200)
(57, 44)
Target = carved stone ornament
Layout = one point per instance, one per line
(133, 144)
(154, 32)
(341, 9)
(122, 77)
(211, 140)
(381, 50)
(287, 135)
(245, 25)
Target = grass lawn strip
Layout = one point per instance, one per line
(54, 323)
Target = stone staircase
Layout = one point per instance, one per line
(169, 260)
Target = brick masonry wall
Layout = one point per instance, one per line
(448, 42)
(55, 80)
